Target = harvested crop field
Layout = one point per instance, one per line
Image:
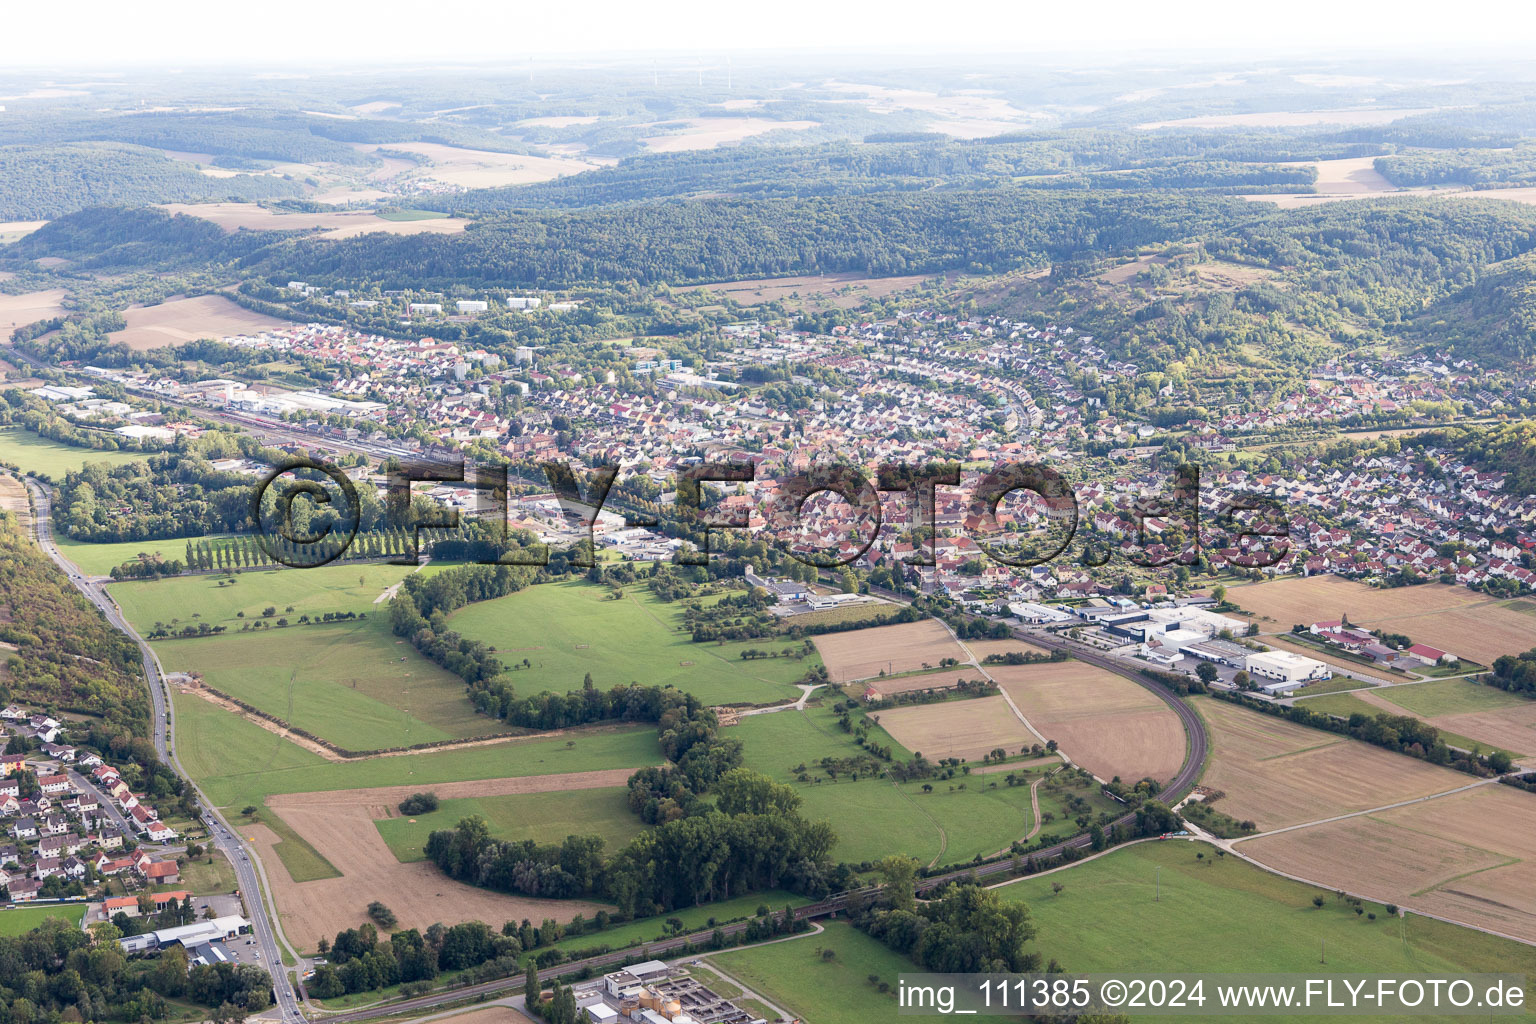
(1102, 721)
(339, 825)
(1276, 773)
(942, 680)
(476, 168)
(905, 647)
(1482, 714)
(20, 310)
(1466, 857)
(709, 132)
(1291, 119)
(983, 648)
(335, 223)
(1454, 619)
(183, 320)
(959, 728)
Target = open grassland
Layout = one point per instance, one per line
(649, 929)
(19, 920)
(1454, 619)
(968, 728)
(35, 454)
(238, 763)
(873, 816)
(1277, 773)
(338, 825)
(181, 320)
(28, 308)
(354, 684)
(796, 977)
(546, 818)
(98, 559)
(1108, 918)
(568, 630)
(1466, 856)
(290, 592)
(1104, 722)
(905, 647)
(1466, 713)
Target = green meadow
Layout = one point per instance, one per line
(353, 683)
(99, 559)
(221, 600)
(1156, 908)
(20, 920)
(37, 454)
(545, 818)
(239, 763)
(950, 824)
(1452, 695)
(567, 630)
(798, 977)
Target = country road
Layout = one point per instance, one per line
(258, 908)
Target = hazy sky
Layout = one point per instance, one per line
(285, 32)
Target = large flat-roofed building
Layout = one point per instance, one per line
(1287, 669)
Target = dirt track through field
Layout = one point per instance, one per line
(339, 825)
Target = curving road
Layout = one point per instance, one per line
(247, 868)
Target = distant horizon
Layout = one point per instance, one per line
(466, 33)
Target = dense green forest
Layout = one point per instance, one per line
(43, 182)
(1479, 168)
(1493, 317)
(66, 654)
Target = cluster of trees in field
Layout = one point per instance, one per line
(1479, 168)
(967, 929)
(72, 659)
(44, 182)
(59, 972)
(752, 838)
(419, 613)
(1515, 673)
(360, 962)
(178, 493)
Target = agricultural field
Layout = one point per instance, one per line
(99, 559)
(216, 600)
(648, 929)
(967, 728)
(796, 976)
(1104, 722)
(354, 684)
(951, 823)
(1467, 714)
(567, 630)
(1209, 911)
(888, 650)
(238, 763)
(1465, 856)
(338, 826)
(35, 454)
(545, 818)
(181, 320)
(19, 920)
(234, 217)
(943, 679)
(1277, 773)
(474, 168)
(1454, 619)
(20, 310)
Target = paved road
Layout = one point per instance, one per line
(227, 840)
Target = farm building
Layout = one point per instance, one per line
(1287, 669)
(1430, 655)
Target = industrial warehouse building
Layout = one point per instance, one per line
(1289, 671)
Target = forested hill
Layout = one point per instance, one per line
(724, 239)
(146, 238)
(39, 183)
(1493, 317)
(67, 657)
